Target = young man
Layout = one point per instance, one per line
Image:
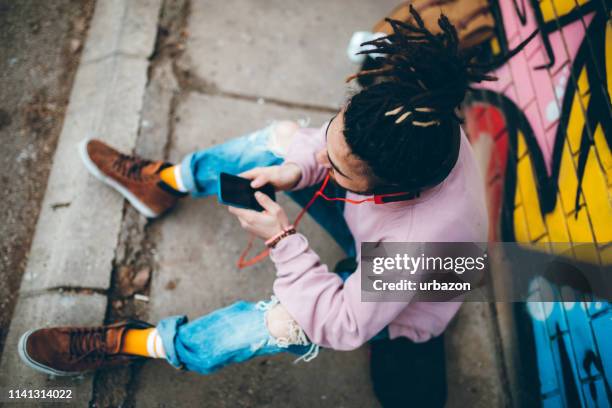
(399, 135)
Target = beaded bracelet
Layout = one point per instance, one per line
(290, 230)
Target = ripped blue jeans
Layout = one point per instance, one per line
(239, 332)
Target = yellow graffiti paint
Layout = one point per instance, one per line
(521, 234)
(593, 221)
(577, 118)
(597, 199)
(583, 82)
(603, 151)
(556, 224)
(551, 9)
(495, 48)
(568, 181)
(522, 147)
(579, 227)
(529, 193)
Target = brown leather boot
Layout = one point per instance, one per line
(136, 179)
(68, 351)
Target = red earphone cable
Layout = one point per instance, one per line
(243, 262)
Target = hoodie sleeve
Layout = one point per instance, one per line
(303, 150)
(329, 310)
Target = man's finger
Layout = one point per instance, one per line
(242, 212)
(251, 174)
(266, 202)
(259, 181)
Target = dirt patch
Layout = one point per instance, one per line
(5, 119)
(40, 48)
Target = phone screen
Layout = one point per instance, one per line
(237, 191)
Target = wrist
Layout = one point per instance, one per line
(294, 174)
(285, 232)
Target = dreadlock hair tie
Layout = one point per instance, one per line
(403, 117)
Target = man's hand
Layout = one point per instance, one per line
(264, 224)
(283, 177)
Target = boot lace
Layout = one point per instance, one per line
(130, 166)
(88, 343)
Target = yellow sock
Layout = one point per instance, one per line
(143, 342)
(172, 177)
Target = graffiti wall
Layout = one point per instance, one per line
(543, 134)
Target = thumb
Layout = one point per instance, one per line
(266, 202)
(259, 181)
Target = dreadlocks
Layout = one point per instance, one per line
(405, 125)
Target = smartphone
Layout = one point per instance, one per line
(237, 191)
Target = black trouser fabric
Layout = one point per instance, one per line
(408, 374)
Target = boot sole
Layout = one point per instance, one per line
(97, 173)
(23, 355)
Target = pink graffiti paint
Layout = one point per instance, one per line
(538, 93)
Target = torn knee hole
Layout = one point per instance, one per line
(283, 328)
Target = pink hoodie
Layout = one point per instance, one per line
(330, 311)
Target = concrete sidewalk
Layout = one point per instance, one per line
(218, 70)
(71, 258)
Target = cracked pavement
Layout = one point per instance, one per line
(220, 70)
